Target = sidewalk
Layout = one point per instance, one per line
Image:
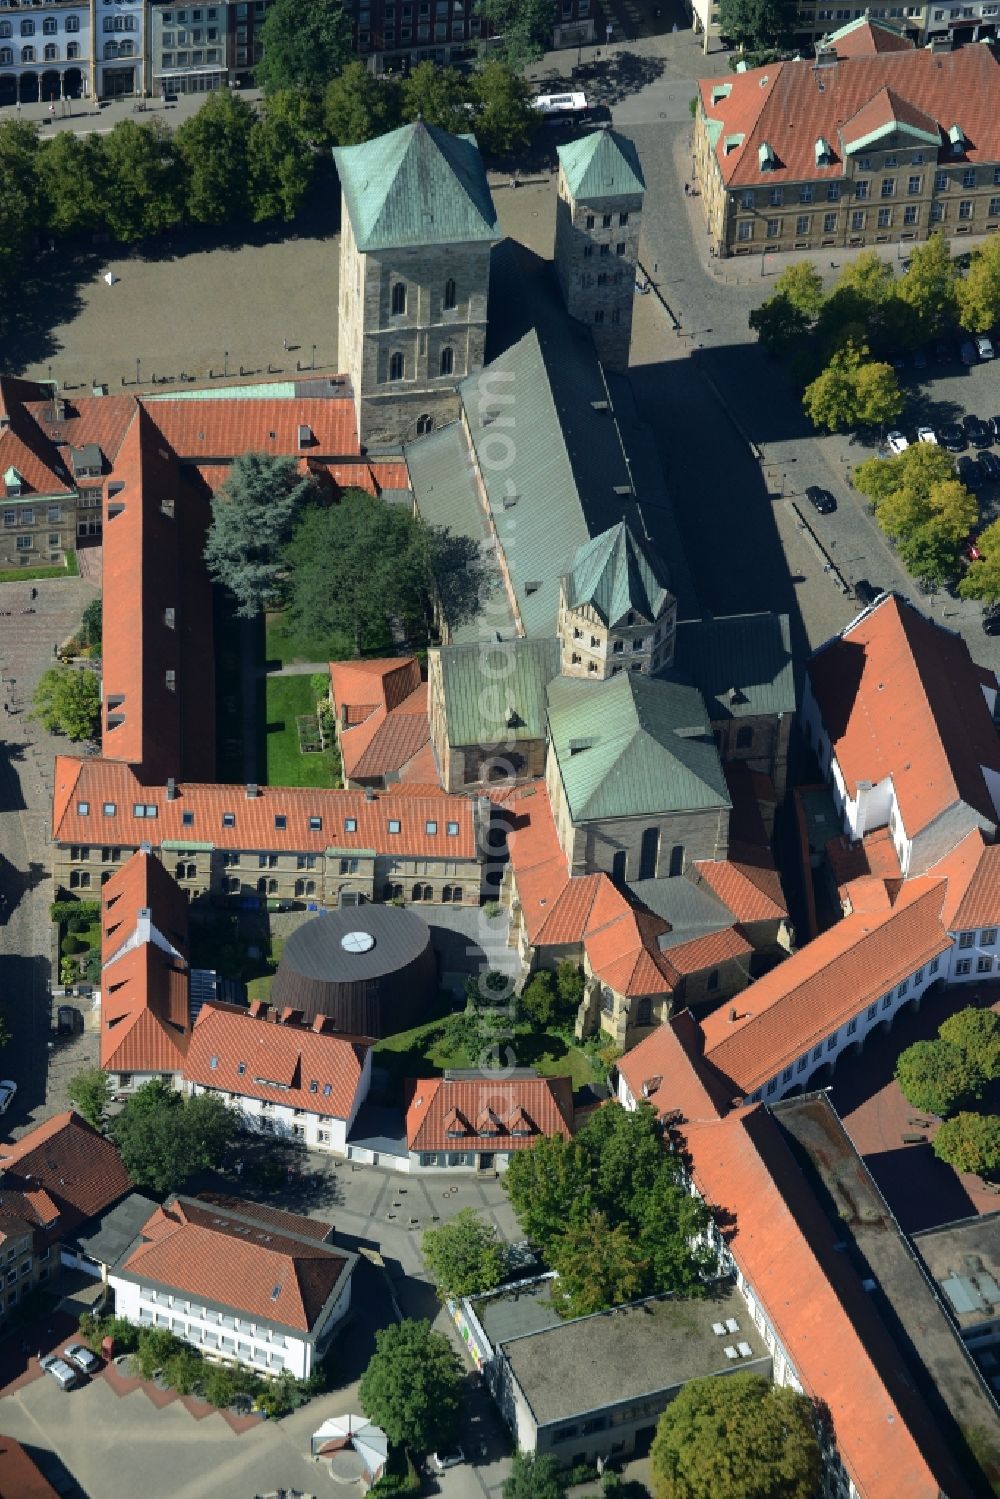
(87, 116)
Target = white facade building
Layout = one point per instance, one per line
(44, 52)
(120, 48)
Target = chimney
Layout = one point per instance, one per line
(319, 1024)
(288, 1016)
(252, 790)
(171, 789)
(259, 1009)
(733, 1014)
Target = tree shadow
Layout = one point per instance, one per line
(49, 294)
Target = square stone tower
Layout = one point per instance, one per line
(616, 613)
(417, 226)
(598, 217)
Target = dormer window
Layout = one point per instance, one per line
(824, 152)
(13, 482)
(766, 159)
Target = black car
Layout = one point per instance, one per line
(994, 423)
(970, 473)
(943, 353)
(821, 499)
(990, 465)
(952, 437)
(978, 433)
(991, 620)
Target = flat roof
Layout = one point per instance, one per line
(108, 1237)
(571, 1368)
(964, 1259)
(511, 1314)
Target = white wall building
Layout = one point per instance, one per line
(120, 47)
(44, 52)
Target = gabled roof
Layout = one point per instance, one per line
(973, 874)
(603, 164)
(884, 114)
(66, 1162)
(663, 1071)
(826, 983)
(234, 1051)
(751, 891)
(615, 574)
(382, 708)
(864, 38)
(504, 703)
(633, 745)
(201, 426)
(901, 697)
(740, 663)
(417, 185)
(444, 1113)
(145, 980)
(788, 106)
(231, 1259)
(813, 1299)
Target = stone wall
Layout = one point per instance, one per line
(598, 282)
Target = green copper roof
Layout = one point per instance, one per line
(632, 747)
(613, 573)
(740, 663)
(495, 690)
(416, 186)
(602, 165)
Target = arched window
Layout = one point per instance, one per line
(644, 1012)
(387, 891)
(72, 23)
(456, 893)
(744, 737)
(179, 871)
(27, 54)
(415, 893)
(6, 57)
(395, 366)
(310, 887)
(424, 424)
(447, 360)
(398, 297)
(649, 853)
(272, 887)
(618, 867)
(51, 52)
(27, 28)
(110, 49)
(262, 886)
(300, 887)
(449, 294)
(49, 26)
(446, 894)
(677, 859)
(6, 29)
(428, 893)
(72, 49)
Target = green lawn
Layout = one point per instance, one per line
(287, 697)
(427, 1049)
(25, 574)
(283, 648)
(259, 987)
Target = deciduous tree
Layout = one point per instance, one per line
(757, 24)
(464, 1255)
(67, 700)
(938, 1077)
(22, 197)
(164, 1137)
(359, 105)
(853, 391)
(71, 170)
(437, 96)
(978, 291)
(522, 29)
(976, 1033)
(598, 1266)
(504, 118)
(534, 1476)
(143, 189)
(970, 1142)
(412, 1386)
(779, 324)
(927, 289)
(549, 1185)
(279, 158)
(737, 1438)
(254, 514)
(214, 148)
(306, 43)
(90, 1093)
(982, 581)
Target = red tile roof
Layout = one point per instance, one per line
(780, 105)
(382, 706)
(867, 37)
(874, 854)
(784, 1246)
(145, 980)
(25, 447)
(825, 984)
(96, 782)
(485, 1114)
(900, 697)
(198, 430)
(664, 1070)
(68, 1163)
(751, 891)
(884, 110)
(973, 874)
(79, 421)
(282, 1062)
(20, 1477)
(231, 1258)
(707, 952)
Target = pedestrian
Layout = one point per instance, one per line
(284, 344)
(52, 111)
(34, 594)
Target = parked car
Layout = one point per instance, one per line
(967, 351)
(441, 1461)
(82, 1358)
(993, 422)
(926, 434)
(977, 431)
(991, 620)
(984, 347)
(8, 1090)
(952, 437)
(865, 593)
(943, 353)
(897, 443)
(970, 473)
(821, 499)
(64, 1374)
(990, 465)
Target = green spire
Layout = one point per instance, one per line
(614, 574)
(602, 165)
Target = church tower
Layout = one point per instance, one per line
(417, 226)
(598, 216)
(616, 612)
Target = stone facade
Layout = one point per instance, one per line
(597, 248)
(588, 648)
(682, 837)
(412, 324)
(760, 742)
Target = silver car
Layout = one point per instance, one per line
(64, 1374)
(81, 1358)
